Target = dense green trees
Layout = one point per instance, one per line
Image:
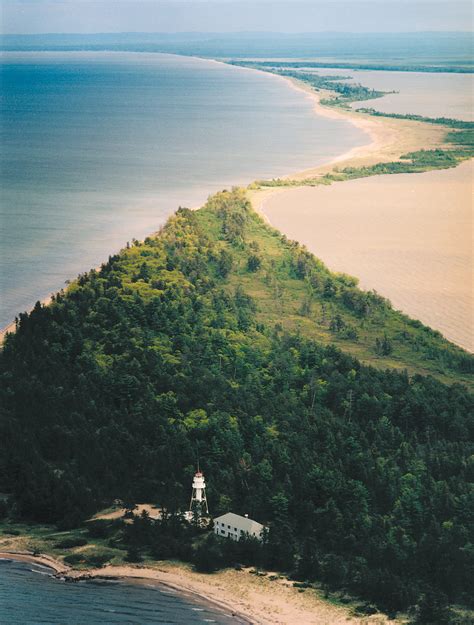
(361, 475)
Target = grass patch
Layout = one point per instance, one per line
(70, 543)
(91, 557)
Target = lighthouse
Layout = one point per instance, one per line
(198, 503)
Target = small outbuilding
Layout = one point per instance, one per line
(234, 526)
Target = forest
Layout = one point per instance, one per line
(306, 400)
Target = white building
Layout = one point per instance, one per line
(234, 526)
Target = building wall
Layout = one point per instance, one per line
(231, 531)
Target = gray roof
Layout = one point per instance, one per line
(240, 522)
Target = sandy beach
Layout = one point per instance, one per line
(257, 599)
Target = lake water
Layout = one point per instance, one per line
(29, 595)
(419, 93)
(98, 148)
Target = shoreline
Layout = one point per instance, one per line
(356, 119)
(252, 599)
(365, 125)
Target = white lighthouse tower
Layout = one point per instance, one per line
(198, 503)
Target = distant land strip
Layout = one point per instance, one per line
(390, 67)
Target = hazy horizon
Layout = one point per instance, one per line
(29, 17)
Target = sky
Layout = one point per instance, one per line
(291, 16)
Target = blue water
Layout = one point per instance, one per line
(30, 595)
(98, 148)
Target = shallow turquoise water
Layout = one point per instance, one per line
(29, 595)
(98, 148)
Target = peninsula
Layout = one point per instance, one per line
(342, 424)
